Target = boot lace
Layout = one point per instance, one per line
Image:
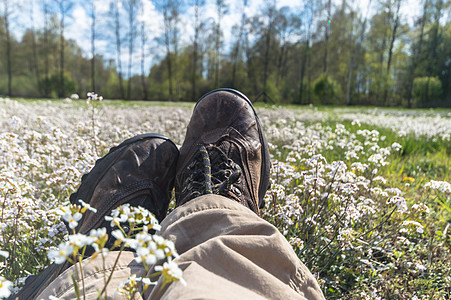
(206, 177)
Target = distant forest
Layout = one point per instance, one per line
(325, 52)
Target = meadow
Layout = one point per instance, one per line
(362, 194)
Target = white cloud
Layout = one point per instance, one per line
(79, 28)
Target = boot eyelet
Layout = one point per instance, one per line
(236, 190)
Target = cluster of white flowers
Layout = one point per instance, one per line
(433, 125)
(400, 203)
(135, 215)
(91, 96)
(351, 186)
(149, 248)
(409, 226)
(440, 186)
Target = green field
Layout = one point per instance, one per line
(362, 194)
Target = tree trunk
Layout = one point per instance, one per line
(305, 58)
(326, 54)
(236, 49)
(390, 51)
(62, 91)
(416, 55)
(433, 57)
(355, 54)
(175, 19)
(169, 63)
(267, 50)
(46, 52)
(118, 48)
(195, 50)
(8, 48)
(34, 45)
(280, 61)
(93, 52)
(143, 57)
(303, 67)
(131, 38)
(219, 7)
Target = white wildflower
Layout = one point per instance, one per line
(441, 186)
(171, 272)
(5, 254)
(396, 146)
(420, 267)
(5, 287)
(86, 206)
(72, 219)
(59, 255)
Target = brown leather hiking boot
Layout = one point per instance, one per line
(139, 171)
(225, 151)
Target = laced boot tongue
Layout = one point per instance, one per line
(224, 171)
(213, 171)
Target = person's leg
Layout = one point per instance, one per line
(226, 250)
(140, 171)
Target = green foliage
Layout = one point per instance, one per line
(426, 91)
(326, 90)
(53, 86)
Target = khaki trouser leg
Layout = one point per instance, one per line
(226, 252)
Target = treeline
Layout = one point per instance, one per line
(323, 52)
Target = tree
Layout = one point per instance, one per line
(143, 35)
(197, 26)
(327, 25)
(426, 90)
(433, 43)
(357, 49)
(221, 10)
(34, 44)
(171, 18)
(115, 9)
(93, 48)
(45, 85)
(308, 13)
(417, 51)
(131, 7)
(270, 12)
(286, 25)
(236, 51)
(63, 6)
(394, 29)
(6, 16)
